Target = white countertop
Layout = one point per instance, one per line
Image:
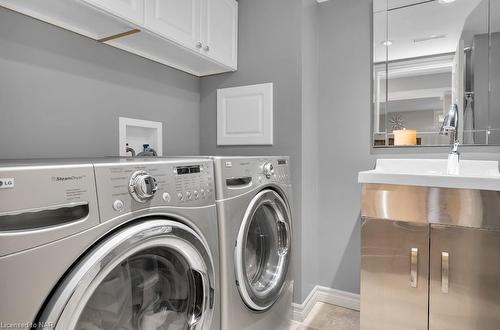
(473, 174)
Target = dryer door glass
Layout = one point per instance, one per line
(154, 275)
(263, 250)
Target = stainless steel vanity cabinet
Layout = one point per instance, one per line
(464, 279)
(394, 275)
(430, 258)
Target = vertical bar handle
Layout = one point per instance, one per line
(414, 267)
(445, 272)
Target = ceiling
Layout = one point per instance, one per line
(410, 20)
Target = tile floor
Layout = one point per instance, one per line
(329, 317)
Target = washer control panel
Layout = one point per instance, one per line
(130, 185)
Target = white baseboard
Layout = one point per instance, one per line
(324, 295)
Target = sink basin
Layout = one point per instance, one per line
(473, 174)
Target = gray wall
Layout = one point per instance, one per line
(61, 94)
(269, 51)
(310, 149)
(344, 144)
(344, 126)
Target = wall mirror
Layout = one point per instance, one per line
(428, 55)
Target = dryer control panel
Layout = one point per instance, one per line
(134, 184)
(240, 174)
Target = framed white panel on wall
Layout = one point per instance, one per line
(137, 132)
(245, 115)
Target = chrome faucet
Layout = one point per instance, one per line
(131, 150)
(450, 127)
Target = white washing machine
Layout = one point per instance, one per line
(109, 244)
(253, 196)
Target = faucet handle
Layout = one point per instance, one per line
(454, 150)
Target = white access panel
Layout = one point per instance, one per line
(245, 115)
(137, 132)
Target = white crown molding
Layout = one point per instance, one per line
(324, 295)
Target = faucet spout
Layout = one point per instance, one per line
(450, 127)
(450, 124)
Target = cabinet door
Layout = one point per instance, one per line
(394, 275)
(220, 31)
(177, 20)
(465, 279)
(131, 10)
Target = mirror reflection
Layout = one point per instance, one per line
(428, 56)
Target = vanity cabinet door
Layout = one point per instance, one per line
(465, 279)
(131, 10)
(176, 20)
(394, 275)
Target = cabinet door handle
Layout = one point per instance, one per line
(198, 45)
(445, 272)
(414, 267)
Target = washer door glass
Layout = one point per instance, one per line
(262, 250)
(157, 274)
(149, 290)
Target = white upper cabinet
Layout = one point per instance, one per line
(220, 30)
(196, 36)
(177, 20)
(132, 10)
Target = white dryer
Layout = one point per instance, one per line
(108, 244)
(253, 197)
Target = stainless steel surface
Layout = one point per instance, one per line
(414, 268)
(41, 184)
(233, 204)
(67, 305)
(262, 250)
(459, 207)
(388, 302)
(462, 229)
(249, 167)
(142, 186)
(38, 186)
(113, 179)
(473, 298)
(445, 271)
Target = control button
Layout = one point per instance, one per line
(118, 205)
(196, 195)
(203, 193)
(188, 195)
(166, 197)
(180, 196)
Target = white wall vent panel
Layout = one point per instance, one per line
(245, 115)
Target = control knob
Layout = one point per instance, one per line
(268, 169)
(142, 186)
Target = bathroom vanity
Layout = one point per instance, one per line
(430, 255)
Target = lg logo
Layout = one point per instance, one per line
(6, 183)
